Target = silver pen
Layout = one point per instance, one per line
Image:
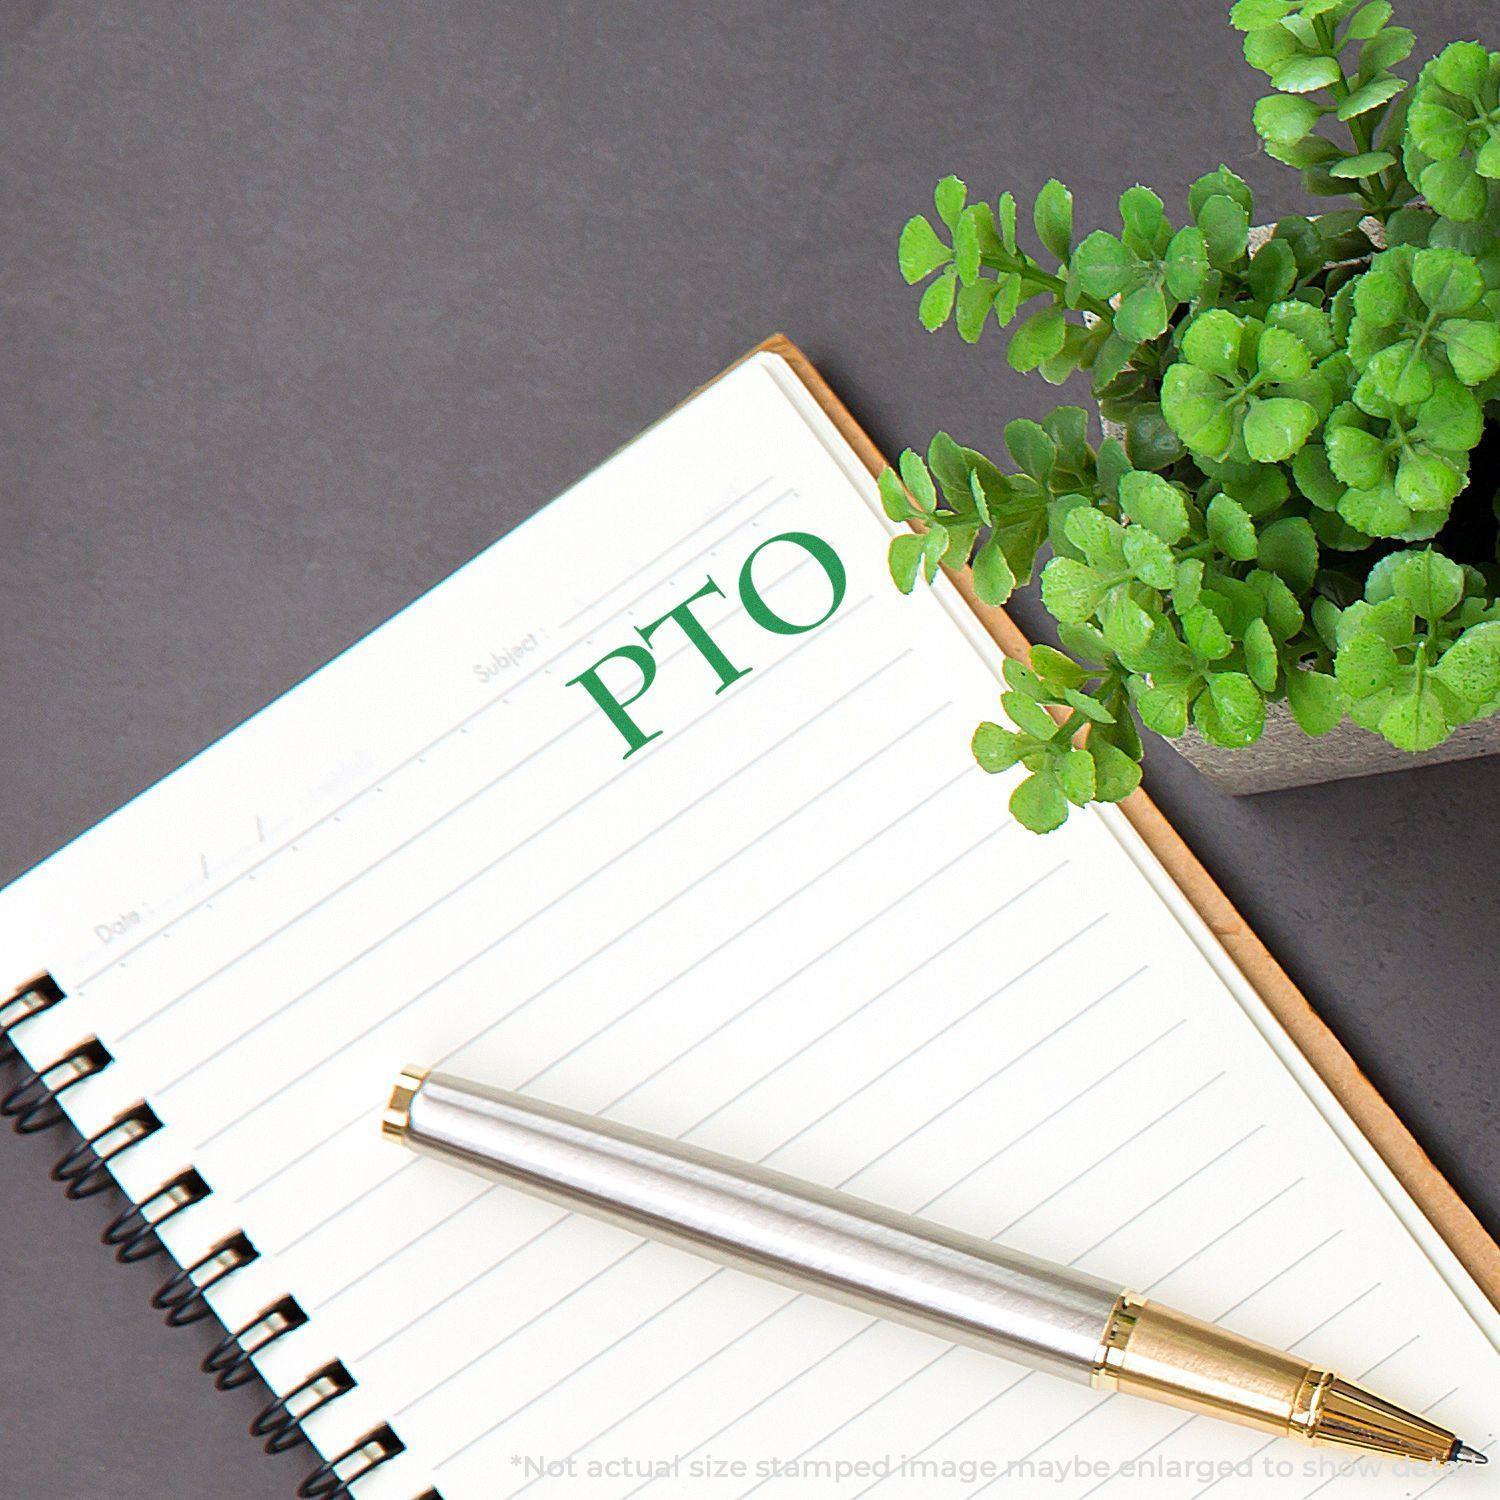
(889, 1264)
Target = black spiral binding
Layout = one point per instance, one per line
(84, 1170)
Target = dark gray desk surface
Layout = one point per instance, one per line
(303, 305)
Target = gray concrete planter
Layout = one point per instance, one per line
(1285, 756)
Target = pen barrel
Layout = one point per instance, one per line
(813, 1239)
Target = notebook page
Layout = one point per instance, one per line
(796, 926)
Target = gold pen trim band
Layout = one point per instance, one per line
(397, 1116)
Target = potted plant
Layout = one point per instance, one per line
(1292, 517)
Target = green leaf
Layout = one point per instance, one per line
(935, 541)
(1415, 720)
(1426, 482)
(1196, 404)
(1071, 590)
(1220, 180)
(1149, 501)
(1364, 665)
(918, 481)
(1282, 612)
(1470, 667)
(937, 301)
(1371, 96)
(1186, 263)
(946, 460)
(1096, 535)
(1143, 221)
(1212, 343)
(1252, 15)
(1357, 457)
(1285, 118)
(905, 560)
(949, 198)
(1446, 280)
(1127, 627)
(994, 581)
(893, 497)
(1239, 707)
(1055, 669)
(1289, 548)
(1039, 803)
(1084, 641)
(1276, 428)
(1427, 580)
(997, 749)
(1005, 211)
(1273, 271)
(974, 304)
(1101, 265)
(1301, 75)
(1037, 339)
(920, 252)
(1454, 189)
(1315, 699)
(1473, 348)
(1230, 528)
(1031, 448)
(1029, 715)
(1142, 314)
(1366, 164)
(1189, 584)
(1149, 558)
(1075, 774)
(1164, 709)
(1150, 442)
(1261, 659)
(1385, 50)
(1451, 417)
(1053, 217)
(1462, 68)
(1281, 355)
(1206, 637)
(1367, 20)
(1226, 230)
(1116, 774)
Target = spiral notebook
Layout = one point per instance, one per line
(663, 807)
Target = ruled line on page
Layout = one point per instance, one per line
(1213, 1161)
(1118, 1068)
(469, 880)
(454, 728)
(1019, 1057)
(840, 780)
(162, 1011)
(498, 1188)
(667, 551)
(780, 984)
(983, 921)
(521, 1004)
(388, 933)
(640, 1245)
(872, 1326)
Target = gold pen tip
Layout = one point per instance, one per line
(1464, 1454)
(397, 1116)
